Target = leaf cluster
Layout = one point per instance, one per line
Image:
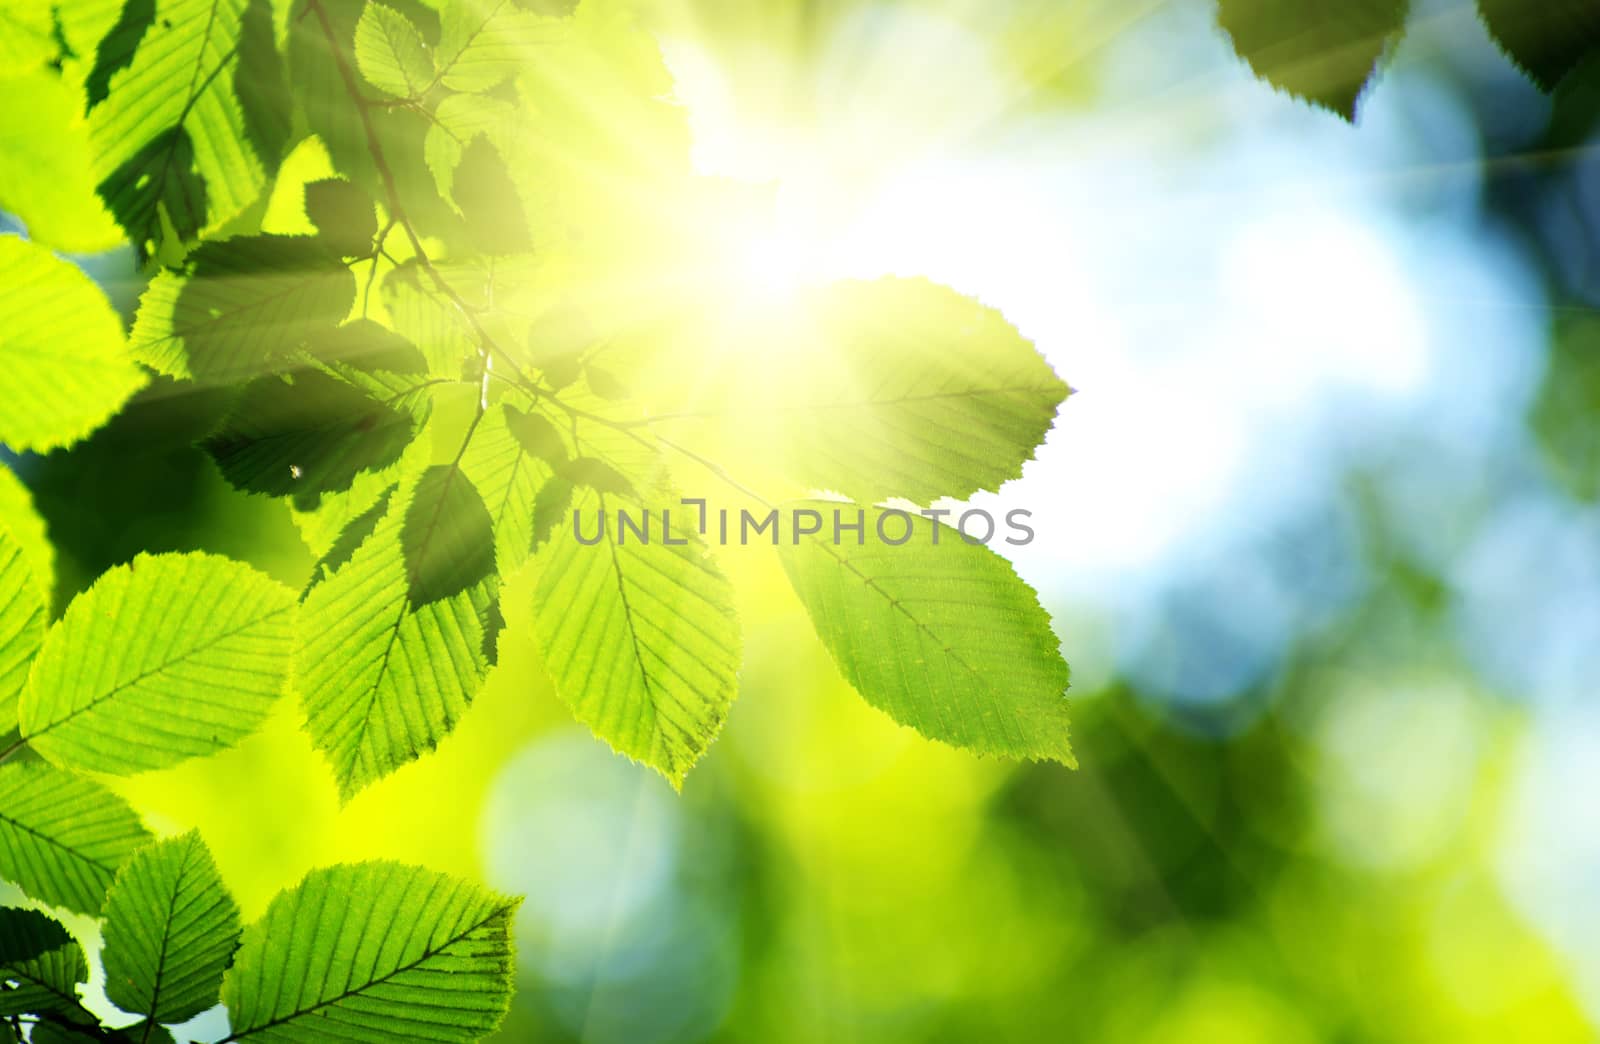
(452, 268)
(1329, 51)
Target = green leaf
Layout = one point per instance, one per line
(63, 837)
(448, 536)
(536, 435)
(170, 932)
(167, 658)
(344, 214)
(1325, 51)
(939, 633)
(383, 680)
(368, 346)
(597, 475)
(391, 54)
(172, 140)
(894, 388)
(44, 165)
(27, 35)
(504, 462)
(426, 319)
(641, 639)
(307, 434)
(244, 310)
(1548, 38)
(458, 121)
(44, 961)
(55, 1032)
(27, 529)
(404, 954)
(326, 82)
(23, 607)
(483, 45)
(66, 365)
(487, 198)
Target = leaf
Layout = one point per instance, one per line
(605, 384)
(61, 347)
(349, 540)
(458, 121)
(549, 508)
(44, 165)
(62, 837)
(381, 680)
(403, 954)
(170, 931)
(448, 536)
(170, 657)
(44, 961)
(427, 320)
(485, 45)
(1548, 38)
(641, 639)
(245, 308)
(510, 474)
(22, 623)
(894, 388)
(61, 1033)
(485, 195)
(939, 633)
(1325, 51)
(368, 346)
(171, 139)
(27, 35)
(27, 529)
(344, 214)
(391, 54)
(310, 434)
(536, 435)
(597, 475)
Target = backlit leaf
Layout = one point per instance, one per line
(373, 952)
(22, 623)
(171, 136)
(170, 931)
(640, 638)
(61, 348)
(383, 680)
(188, 652)
(391, 53)
(244, 308)
(45, 963)
(939, 633)
(63, 837)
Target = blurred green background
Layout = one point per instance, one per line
(1318, 532)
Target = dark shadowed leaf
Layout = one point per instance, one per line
(536, 435)
(45, 963)
(1324, 51)
(1546, 38)
(307, 434)
(448, 536)
(344, 215)
(245, 308)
